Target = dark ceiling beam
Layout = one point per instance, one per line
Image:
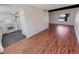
(63, 8)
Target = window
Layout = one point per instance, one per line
(63, 17)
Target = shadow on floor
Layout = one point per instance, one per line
(11, 38)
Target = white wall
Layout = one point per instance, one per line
(37, 20)
(76, 26)
(54, 16)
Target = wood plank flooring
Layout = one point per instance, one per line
(57, 39)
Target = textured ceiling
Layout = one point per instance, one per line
(42, 6)
(49, 6)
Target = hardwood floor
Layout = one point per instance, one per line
(57, 39)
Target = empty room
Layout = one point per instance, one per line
(39, 28)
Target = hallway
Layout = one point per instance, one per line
(57, 39)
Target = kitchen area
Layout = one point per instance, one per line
(10, 31)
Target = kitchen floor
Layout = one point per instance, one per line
(11, 38)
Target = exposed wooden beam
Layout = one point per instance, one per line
(63, 8)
